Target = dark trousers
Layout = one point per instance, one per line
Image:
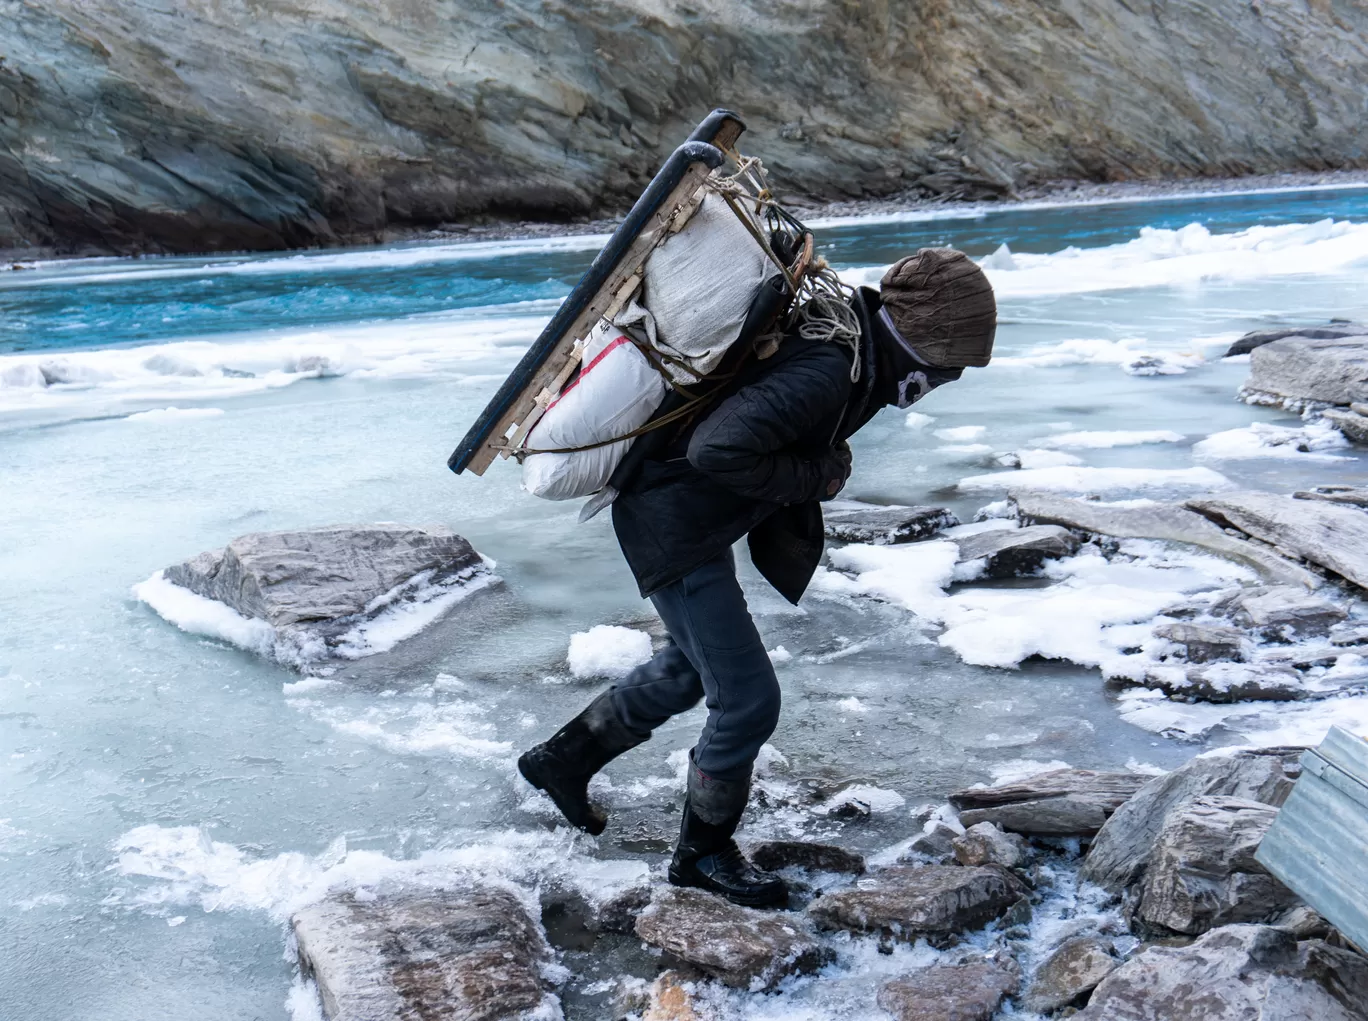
(718, 655)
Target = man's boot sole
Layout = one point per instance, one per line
(527, 767)
(775, 900)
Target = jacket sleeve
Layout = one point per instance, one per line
(750, 442)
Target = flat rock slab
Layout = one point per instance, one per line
(1205, 643)
(1353, 496)
(1167, 521)
(1202, 872)
(473, 955)
(1331, 331)
(1351, 424)
(1011, 552)
(1122, 848)
(741, 947)
(1225, 683)
(1331, 535)
(1070, 973)
(909, 901)
(314, 586)
(1063, 802)
(1280, 612)
(969, 991)
(1330, 370)
(773, 855)
(1235, 973)
(848, 521)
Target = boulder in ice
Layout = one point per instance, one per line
(737, 945)
(773, 855)
(986, 844)
(970, 990)
(1204, 643)
(1235, 973)
(1280, 612)
(1010, 552)
(1070, 973)
(1060, 803)
(473, 953)
(1224, 683)
(1202, 872)
(908, 901)
(1299, 370)
(1122, 849)
(852, 521)
(304, 595)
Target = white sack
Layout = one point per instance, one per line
(616, 391)
(699, 285)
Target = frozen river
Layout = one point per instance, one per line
(167, 799)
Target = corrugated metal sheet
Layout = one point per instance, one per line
(1318, 846)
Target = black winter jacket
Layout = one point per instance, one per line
(755, 465)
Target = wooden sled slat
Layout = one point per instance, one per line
(604, 288)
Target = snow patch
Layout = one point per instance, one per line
(608, 650)
(1261, 439)
(961, 433)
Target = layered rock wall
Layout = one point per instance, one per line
(197, 125)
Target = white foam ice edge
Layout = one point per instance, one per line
(113, 379)
(391, 618)
(1162, 257)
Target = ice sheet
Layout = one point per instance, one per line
(1099, 480)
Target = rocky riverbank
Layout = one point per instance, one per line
(137, 127)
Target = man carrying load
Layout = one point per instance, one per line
(771, 445)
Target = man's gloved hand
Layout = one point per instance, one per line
(836, 466)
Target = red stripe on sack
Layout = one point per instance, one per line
(617, 342)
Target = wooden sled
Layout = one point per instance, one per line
(606, 287)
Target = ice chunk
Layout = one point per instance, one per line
(961, 433)
(1073, 479)
(1106, 438)
(1310, 442)
(608, 650)
(173, 414)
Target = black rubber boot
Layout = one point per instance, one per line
(564, 765)
(707, 857)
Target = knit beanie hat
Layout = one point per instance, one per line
(943, 306)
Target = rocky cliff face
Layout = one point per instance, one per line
(192, 125)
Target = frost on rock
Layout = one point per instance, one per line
(303, 596)
(971, 990)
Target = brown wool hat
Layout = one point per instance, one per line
(943, 305)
